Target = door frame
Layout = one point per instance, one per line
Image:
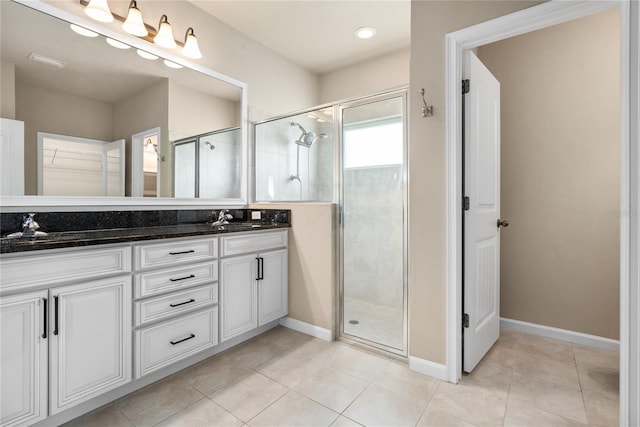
(537, 17)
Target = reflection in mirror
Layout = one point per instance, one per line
(208, 165)
(62, 83)
(68, 166)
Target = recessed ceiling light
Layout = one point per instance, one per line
(83, 31)
(36, 57)
(117, 44)
(365, 32)
(172, 64)
(146, 55)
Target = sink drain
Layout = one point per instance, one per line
(353, 322)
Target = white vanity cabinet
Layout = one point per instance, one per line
(23, 351)
(68, 335)
(253, 281)
(176, 301)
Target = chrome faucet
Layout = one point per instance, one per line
(223, 217)
(29, 225)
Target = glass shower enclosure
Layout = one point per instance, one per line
(354, 155)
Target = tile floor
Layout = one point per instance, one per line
(285, 378)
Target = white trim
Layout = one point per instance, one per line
(561, 334)
(534, 18)
(427, 367)
(307, 328)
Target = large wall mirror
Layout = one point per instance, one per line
(102, 119)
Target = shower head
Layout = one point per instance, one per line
(211, 146)
(306, 139)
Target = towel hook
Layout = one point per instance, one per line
(427, 110)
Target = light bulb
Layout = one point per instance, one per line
(146, 55)
(99, 10)
(191, 49)
(164, 37)
(83, 31)
(134, 23)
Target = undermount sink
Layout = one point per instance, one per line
(20, 234)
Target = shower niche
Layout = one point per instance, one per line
(294, 157)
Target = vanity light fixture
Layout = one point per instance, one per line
(365, 32)
(172, 64)
(146, 55)
(117, 44)
(191, 49)
(151, 148)
(134, 24)
(83, 31)
(99, 10)
(164, 37)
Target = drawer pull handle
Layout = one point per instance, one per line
(182, 252)
(182, 303)
(182, 340)
(191, 276)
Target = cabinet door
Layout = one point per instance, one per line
(238, 295)
(273, 286)
(90, 340)
(23, 356)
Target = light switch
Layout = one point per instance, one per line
(256, 215)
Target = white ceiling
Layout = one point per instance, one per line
(318, 34)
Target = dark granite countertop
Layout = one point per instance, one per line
(81, 238)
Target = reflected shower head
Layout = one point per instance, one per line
(306, 139)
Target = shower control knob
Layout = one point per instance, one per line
(502, 223)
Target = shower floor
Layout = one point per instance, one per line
(378, 323)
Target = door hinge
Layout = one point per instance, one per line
(466, 86)
(465, 203)
(465, 320)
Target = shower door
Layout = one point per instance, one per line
(373, 296)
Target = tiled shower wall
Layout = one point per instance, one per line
(276, 161)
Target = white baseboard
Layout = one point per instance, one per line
(428, 367)
(307, 328)
(561, 334)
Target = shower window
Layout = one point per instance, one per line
(294, 157)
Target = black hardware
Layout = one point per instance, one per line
(466, 86)
(466, 203)
(182, 303)
(182, 252)
(182, 340)
(44, 334)
(55, 315)
(502, 223)
(259, 267)
(191, 276)
(465, 320)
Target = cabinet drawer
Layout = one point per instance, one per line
(28, 271)
(177, 302)
(253, 242)
(175, 252)
(166, 343)
(171, 279)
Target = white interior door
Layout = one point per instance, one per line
(481, 236)
(11, 157)
(113, 168)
